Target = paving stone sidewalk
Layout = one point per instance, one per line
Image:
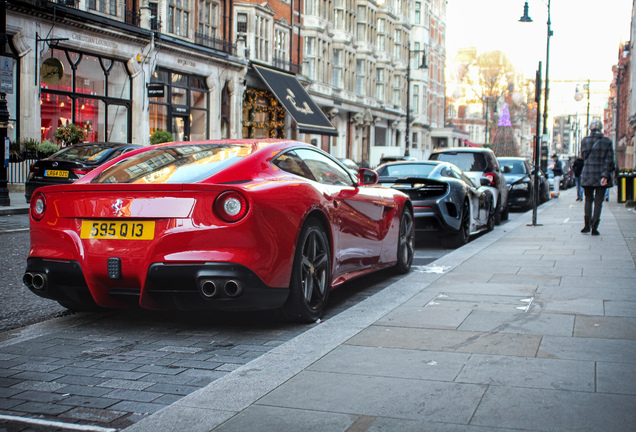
(529, 328)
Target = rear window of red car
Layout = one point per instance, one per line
(174, 164)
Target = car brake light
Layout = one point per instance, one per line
(34, 168)
(491, 177)
(38, 206)
(231, 206)
(81, 172)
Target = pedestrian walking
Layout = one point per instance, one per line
(557, 169)
(598, 156)
(577, 168)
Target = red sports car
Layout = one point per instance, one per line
(221, 225)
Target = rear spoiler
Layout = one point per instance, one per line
(421, 182)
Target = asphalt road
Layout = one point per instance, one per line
(113, 368)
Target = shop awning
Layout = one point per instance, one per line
(296, 101)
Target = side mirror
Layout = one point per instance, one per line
(367, 177)
(484, 181)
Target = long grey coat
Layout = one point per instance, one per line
(599, 159)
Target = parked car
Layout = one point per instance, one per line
(444, 199)
(477, 163)
(395, 158)
(220, 225)
(544, 187)
(520, 179)
(71, 163)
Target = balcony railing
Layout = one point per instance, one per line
(68, 3)
(285, 65)
(132, 17)
(214, 43)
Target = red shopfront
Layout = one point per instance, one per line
(91, 91)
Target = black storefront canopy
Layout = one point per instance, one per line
(296, 101)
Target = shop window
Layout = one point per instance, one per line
(183, 110)
(263, 117)
(117, 123)
(13, 105)
(89, 77)
(158, 117)
(86, 90)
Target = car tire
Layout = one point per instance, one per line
(461, 237)
(406, 243)
(497, 215)
(490, 222)
(311, 276)
(505, 213)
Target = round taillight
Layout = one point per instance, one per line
(491, 177)
(231, 206)
(38, 206)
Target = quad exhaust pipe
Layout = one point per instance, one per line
(34, 280)
(210, 288)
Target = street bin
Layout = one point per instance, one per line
(626, 186)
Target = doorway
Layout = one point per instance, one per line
(180, 127)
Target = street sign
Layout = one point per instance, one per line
(6, 75)
(156, 90)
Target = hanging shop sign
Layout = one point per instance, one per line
(156, 90)
(51, 71)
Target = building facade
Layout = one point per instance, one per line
(330, 72)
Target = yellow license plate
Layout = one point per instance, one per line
(55, 173)
(118, 230)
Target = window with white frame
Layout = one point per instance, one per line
(381, 38)
(380, 84)
(361, 29)
(418, 12)
(360, 76)
(337, 80)
(397, 48)
(179, 17)
(207, 19)
(309, 58)
(281, 43)
(416, 99)
(397, 91)
(262, 38)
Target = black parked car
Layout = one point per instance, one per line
(72, 163)
(520, 179)
(477, 163)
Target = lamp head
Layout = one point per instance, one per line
(525, 17)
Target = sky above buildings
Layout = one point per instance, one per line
(584, 45)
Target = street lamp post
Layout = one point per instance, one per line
(526, 18)
(5, 200)
(407, 139)
(537, 146)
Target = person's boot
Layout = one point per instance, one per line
(595, 228)
(586, 228)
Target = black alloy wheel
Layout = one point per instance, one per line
(311, 276)
(406, 243)
(461, 237)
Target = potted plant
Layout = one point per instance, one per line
(46, 148)
(161, 136)
(29, 148)
(16, 152)
(70, 134)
